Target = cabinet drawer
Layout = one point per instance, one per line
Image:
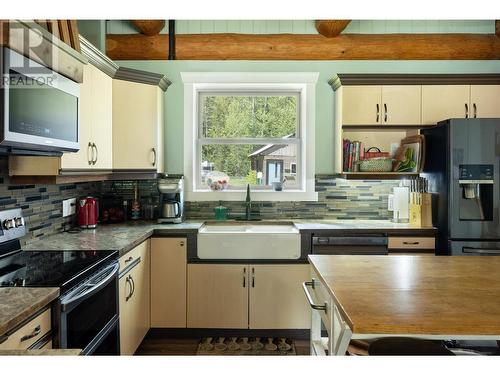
(29, 333)
(411, 242)
(132, 255)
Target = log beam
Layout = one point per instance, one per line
(331, 28)
(149, 27)
(306, 47)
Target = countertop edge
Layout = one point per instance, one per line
(52, 352)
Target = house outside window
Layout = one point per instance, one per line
(249, 128)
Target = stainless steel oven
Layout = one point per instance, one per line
(88, 314)
(39, 108)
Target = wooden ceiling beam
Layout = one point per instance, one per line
(149, 27)
(331, 28)
(306, 47)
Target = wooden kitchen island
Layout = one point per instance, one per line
(366, 297)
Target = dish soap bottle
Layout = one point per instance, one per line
(220, 212)
(136, 205)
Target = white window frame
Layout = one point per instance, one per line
(304, 84)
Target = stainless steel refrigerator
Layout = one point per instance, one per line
(462, 165)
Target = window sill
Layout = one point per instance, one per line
(257, 196)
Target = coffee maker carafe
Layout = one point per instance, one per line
(171, 190)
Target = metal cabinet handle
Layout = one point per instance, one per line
(378, 113)
(244, 277)
(35, 333)
(466, 110)
(253, 277)
(96, 153)
(411, 243)
(133, 285)
(154, 156)
(90, 153)
(385, 112)
(130, 259)
(181, 244)
(474, 108)
(127, 282)
(313, 305)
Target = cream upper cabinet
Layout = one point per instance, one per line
(134, 298)
(276, 297)
(217, 296)
(359, 105)
(137, 126)
(441, 102)
(102, 124)
(401, 105)
(96, 124)
(82, 158)
(168, 282)
(485, 101)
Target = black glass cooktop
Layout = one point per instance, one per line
(61, 269)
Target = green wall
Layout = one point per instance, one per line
(324, 94)
(308, 26)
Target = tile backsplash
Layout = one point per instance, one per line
(41, 204)
(337, 199)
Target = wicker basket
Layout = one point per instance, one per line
(375, 165)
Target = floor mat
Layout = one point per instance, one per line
(246, 346)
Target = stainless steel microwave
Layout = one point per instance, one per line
(39, 107)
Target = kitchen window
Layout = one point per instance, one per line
(249, 128)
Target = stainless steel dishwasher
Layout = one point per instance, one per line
(350, 245)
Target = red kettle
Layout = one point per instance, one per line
(88, 212)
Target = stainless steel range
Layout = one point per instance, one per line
(85, 316)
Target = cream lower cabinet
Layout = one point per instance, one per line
(138, 121)
(247, 296)
(168, 282)
(485, 101)
(441, 102)
(217, 296)
(134, 297)
(96, 125)
(276, 299)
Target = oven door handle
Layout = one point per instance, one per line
(68, 302)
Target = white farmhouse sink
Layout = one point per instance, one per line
(248, 241)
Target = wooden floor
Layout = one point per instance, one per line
(152, 345)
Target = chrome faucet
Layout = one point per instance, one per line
(248, 204)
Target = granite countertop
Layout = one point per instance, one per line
(42, 352)
(126, 236)
(361, 225)
(18, 304)
(119, 237)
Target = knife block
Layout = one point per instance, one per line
(426, 215)
(421, 209)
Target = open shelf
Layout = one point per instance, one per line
(377, 175)
(386, 127)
